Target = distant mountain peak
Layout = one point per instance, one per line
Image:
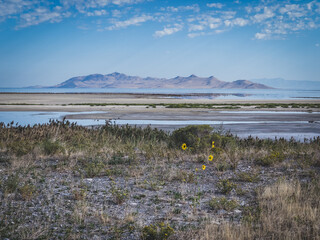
(192, 76)
(116, 74)
(120, 80)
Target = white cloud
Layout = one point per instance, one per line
(236, 22)
(267, 13)
(195, 27)
(97, 13)
(168, 31)
(261, 36)
(273, 19)
(194, 7)
(10, 7)
(40, 15)
(116, 13)
(215, 5)
(129, 22)
(294, 10)
(317, 45)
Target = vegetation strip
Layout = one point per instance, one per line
(218, 105)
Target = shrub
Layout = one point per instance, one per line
(223, 203)
(225, 186)
(27, 191)
(79, 194)
(271, 159)
(248, 177)
(11, 185)
(160, 231)
(52, 147)
(20, 147)
(93, 168)
(119, 194)
(197, 137)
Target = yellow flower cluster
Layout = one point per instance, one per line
(210, 158)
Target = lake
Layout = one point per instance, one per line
(247, 94)
(243, 128)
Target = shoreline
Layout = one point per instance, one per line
(241, 117)
(78, 102)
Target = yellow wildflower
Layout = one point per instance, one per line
(210, 158)
(203, 167)
(196, 169)
(212, 144)
(184, 146)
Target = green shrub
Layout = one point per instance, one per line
(20, 147)
(185, 176)
(79, 194)
(27, 191)
(93, 168)
(119, 194)
(271, 159)
(223, 203)
(225, 186)
(197, 137)
(52, 147)
(222, 166)
(248, 177)
(11, 184)
(160, 231)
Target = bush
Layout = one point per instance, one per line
(119, 194)
(248, 177)
(271, 159)
(20, 147)
(27, 191)
(197, 137)
(160, 231)
(93, 168)
(223, 203)
(52, 147)
(11, 184)
(225, 186)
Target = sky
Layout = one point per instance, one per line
(48, 42)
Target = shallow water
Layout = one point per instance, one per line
(247, 94)
(263, 129)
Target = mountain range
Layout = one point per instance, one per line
(120, 80)
(289, 84)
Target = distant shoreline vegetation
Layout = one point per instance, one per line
(189, 105)
(210, 106)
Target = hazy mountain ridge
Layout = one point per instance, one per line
(120, 80)
(289, 84)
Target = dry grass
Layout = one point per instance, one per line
(287, 210)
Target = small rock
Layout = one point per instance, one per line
(222, 212)
(133, 204)
(95, 237)
(237, 211)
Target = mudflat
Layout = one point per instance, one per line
(242, 117)
(64, 101)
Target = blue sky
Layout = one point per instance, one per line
(47, 42)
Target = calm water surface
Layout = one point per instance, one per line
(249, 94)
(263, 129)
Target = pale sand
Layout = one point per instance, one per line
(55, 102)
